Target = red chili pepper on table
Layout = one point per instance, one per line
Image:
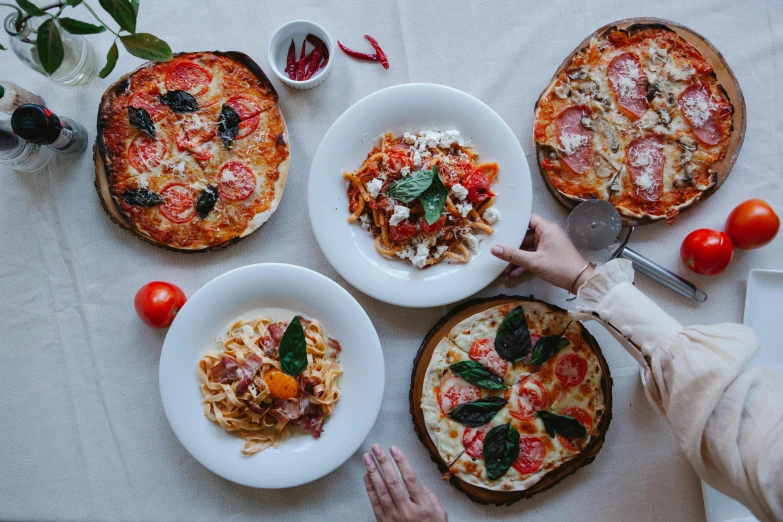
(291, 59)
(358, 54)
(381, 56)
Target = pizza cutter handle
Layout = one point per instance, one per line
(660, 274)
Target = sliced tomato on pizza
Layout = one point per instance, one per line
(454, 391)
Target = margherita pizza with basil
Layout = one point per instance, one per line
(638, 118)
(515, 396)
(194, 152)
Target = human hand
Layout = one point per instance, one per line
(388, 496)
(548, 253)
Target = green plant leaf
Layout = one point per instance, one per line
(135, 6)
(562, 424)
(111, 61)
(434, 198)
(501, 450)
(293, 349)
(79, 27)
(147, 46)
(73, 3)
(546, 347)
(49, 47)
(122, 12)
(409, 188)
(512, 342)
(2, 48)
(478, 374)
(31, 8)
(478, 412)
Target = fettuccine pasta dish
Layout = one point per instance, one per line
(424, 197)
(269, 377)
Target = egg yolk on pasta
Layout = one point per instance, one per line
(281, 385)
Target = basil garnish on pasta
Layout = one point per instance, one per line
(478, 374)
(293, 349)
(501, 450)
(409, 188)
(562, 424)
(512, 342)
(434, 198)
(479, 412)
(546, 347)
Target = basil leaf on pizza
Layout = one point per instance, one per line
(141, 197)
(501, 450)
(478, 412)
(478, 374)
(409, 188)
(141, 119)
(546, 347)
(293, 349)
(206, 201)
(434, 198)
(512, 342)
(179, 101)
(228, 125)
(562, 424)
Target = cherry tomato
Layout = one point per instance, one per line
(752, 224)
(477, 184)
(707, 252)
(157, 303)
(402, 231)
(434, 228)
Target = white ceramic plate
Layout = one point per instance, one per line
(206, 317)
(413, 108)
(762, 313)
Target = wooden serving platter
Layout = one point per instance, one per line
(422, 360)
(722, 72)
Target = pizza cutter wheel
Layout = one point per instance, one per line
(596, 224)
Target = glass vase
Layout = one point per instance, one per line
(78, 65)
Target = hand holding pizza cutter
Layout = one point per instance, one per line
(596, 224)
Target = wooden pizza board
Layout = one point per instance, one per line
(422, 360)
(722, 72)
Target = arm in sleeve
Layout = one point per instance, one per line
(727, 420)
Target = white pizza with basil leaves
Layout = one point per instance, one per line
(512, 394)
(194, 152)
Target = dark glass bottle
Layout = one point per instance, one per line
(39, 125)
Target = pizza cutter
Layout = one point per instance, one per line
(595, 224)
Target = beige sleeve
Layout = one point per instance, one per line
(728, 420)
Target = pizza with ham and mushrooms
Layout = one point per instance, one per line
(192, 154)
(638, 118)
(516, 397)
(268, 378)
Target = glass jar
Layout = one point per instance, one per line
(78, 65)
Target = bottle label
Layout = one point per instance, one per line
(63, 140)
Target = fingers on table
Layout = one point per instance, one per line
(390, 476)
(375, 502)
(409, 477)
(385, 501)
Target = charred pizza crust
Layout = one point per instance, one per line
(193, 157)
(670, 64)
(466, 472)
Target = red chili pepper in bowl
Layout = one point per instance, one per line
(290, 62)
(380, 55)
(300, 65)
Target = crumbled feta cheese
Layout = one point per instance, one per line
(473, 242)
(406, 253)
(405, 171)
(408, 138)
(459, 191)
(374, 187)
(570, 142)
(430, 139)
(365, 219)
(440, 250)
(491, 215)
(449, 138)
(464, 208)
(422, 253)
(400, 213)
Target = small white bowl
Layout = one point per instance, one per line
(280, 42)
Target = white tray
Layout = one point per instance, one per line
(762, 299)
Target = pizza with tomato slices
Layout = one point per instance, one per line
(192, 154)
(636, 117)
(516, 397)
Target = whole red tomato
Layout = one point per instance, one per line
(157, 303)
(752, 224)
(707, 252)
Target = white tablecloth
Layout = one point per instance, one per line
(83, 434)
